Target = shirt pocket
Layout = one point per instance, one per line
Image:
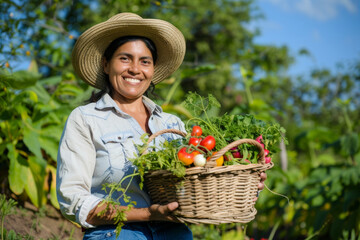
(114, 145)
(121, 147)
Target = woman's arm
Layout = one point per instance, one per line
(155, 212)
(75, 166)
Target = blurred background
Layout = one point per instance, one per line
(292, 62)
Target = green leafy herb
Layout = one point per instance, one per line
(162, 158)
(229, 128)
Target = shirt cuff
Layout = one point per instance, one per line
(84, 210)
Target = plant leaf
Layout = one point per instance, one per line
(35, 184)
(18, 170)
(31, 140)
(53, 197)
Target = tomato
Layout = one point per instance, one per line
(219, 161)
(185, 157)
(194, 141)
(196, 131)
(208, 142)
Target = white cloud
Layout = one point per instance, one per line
(324, 9)
(319, 9)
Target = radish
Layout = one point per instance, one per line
(266, 152)
(237, 154)
(259, 139)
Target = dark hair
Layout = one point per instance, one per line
(114, 45)
(108, 54)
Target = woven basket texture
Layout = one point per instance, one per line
(210, 195)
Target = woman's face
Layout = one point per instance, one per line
(130, 70)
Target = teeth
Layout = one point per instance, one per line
(133, 80)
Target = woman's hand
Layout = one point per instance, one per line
(155, 212)
(261, 184)
(163, 212)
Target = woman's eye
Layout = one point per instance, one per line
(124, 59)
(146, 62)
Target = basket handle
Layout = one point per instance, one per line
(153, 136)
(261, 159)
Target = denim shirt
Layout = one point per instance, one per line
(97, 142)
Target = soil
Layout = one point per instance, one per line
(46, 223)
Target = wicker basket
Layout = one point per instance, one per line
(210, 195)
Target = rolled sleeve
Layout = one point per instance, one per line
(88, 204)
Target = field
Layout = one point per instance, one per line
(45, 223)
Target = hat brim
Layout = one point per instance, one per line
(90, 47)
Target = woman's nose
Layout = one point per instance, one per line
(134, 68)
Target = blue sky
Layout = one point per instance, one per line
(328, 29)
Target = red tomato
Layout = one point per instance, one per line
(196, 131)
(185, 157)
(208, 142)
(194, 141)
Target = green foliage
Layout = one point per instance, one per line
(6, 208)
(111, 203)
(162, 158)
(32, 117)
(325, 203)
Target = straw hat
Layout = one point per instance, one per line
(89, 48)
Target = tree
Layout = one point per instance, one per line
(216, 33)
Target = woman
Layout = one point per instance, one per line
(123, 57)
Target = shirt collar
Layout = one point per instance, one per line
(107, 102)
(151, 106)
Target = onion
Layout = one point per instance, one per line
(199, 160)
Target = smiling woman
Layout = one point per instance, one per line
(122, 57)
(130, 71)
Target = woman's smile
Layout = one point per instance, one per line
(132, 80)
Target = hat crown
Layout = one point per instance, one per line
(123, 16)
